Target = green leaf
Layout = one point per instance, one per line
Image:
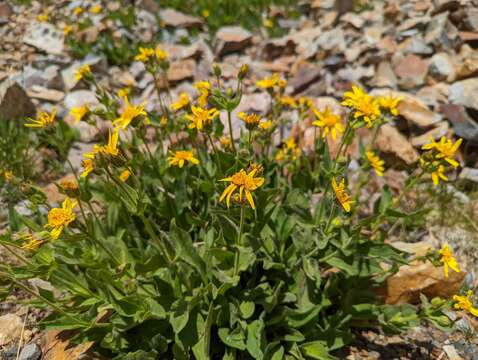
(201, 349)
(234, 339)
(247, 309)
(255, 339)
(316, 350)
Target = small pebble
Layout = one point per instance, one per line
(30, 352)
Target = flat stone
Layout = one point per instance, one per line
(182, 70)
(415, 45)
(441, 33)
(44, 37)
(43, 93)
(390, 140)
(469, 174)
(436, 133)
(176, 19)
(306, 75)
(30, 352)
(463, 125)
(231, 39)
(442, 67)
(10, 328)
(471, 19)
(14, 101)
(411, 71)
(80, 97)
(464, 93)
(5, 12)
(384, 76)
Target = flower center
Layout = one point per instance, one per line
(58, 217)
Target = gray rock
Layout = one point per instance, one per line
(30, 352)
(384, 76)
(464, 93)
(469, 174)
(10, 353)
(45, 37)
(176, 19)
(441, 33)
(232, 38)
(14, 101)
(416, 45)
(463, 124)
(471, 20)
(80, 97)
(442, 68)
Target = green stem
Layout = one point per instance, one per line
(150, 231)
(230, 131)
(216, 154)
(239, 241)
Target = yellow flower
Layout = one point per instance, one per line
(364, 105)
(79, 112)
(43, 17)
(389, 103)
(178, 158)
(270, 82)
(44, 119)
(144, 54)
(341, 195)
(112, 147)
(251, 120)
(77, 11)
(88, 167)
(59, 218)
(225, 141)
(200, 117)
(8, 175)
(245, 182)
(205, 13)
(82, 71)
(375, 162)
(266, 125)
(161, 54)
(204, 88)
(288, 101)
(67, 29)
(306, 102)
(464, 303)
(129, 114)
(268, 23)
(124, 92)
(96, 9)
(448, 260)
(31, 243)
(125, 174)
(182, 102)
(68, 185)
(438, 174)
(329, 122)
(446, 149)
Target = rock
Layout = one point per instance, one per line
(468, 62)
(305, 75)
(464, 93)
(441, 33)
(469, 174)
(464, 126)
(384, 76)
(30, 352)
(442, 68)
(420, 278)
(176, 19)
(183, 70)
(56, 346)
(418, 249)
(10, 328)
(79, 98)
(87, 132)
(5, 12)
(231, 39)
(353, 19)
(410, 70)
(149, 5)
(68, 74)
(445, 5)
(471, 19)
(389, 140)
(14, 101)
(75, 155)
(440, 130)
(415, 45)
(451, 352)
(275, 48)
(42, 93)
(44, 37)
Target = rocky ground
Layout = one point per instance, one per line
(425, 51)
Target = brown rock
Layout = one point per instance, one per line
(43, 93)
(231, 39)
(440, 130)
(182, 70)
(176, 19)
(56, 346)
(14, 101)
(411, 71)
(5, 12)
(305, 75)
(384, 76)
(420, 278)
(463, 125)
(389, 140)
(10, 328)
(418, 249)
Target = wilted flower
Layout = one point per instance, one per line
(44, 119)
(375, 162)
(341, 195)
(178, 158)
(82, 71)
(363, 105)
(464, 303)
(200, 117)
(59, 218)
(130, 113)
(245, 182)
(79, 112)
(448, 260)
(31, 242)
(225, 141)
(329, 122)
(182, 102)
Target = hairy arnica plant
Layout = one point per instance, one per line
(211, 243)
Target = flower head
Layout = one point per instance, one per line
(125, 174)
(67, 29)
(289, 148)
(179, 158)
(124, 92)
(200, 117)
(130, 113)
(225, 141)
(329, 122)
(448, 260)
(68, 185)
(79, 112)
(59, 218)
(44, 119)
(96, 9)
(31, 242)
(78, 10)
(341, 195)
(375, 162)
(161, 55)
(144, 54)
(182, 102)
(288, 101)
(204, 88)
(464, 303)
(111, 148)
(88, 167)
(8, 175)
(363, 105)
(270, 82)
(445, 149)
(251, 120)
(265, 125)
(245, 182)
(438, 174)
(389, 104)
(43, 17)
(82, 71)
